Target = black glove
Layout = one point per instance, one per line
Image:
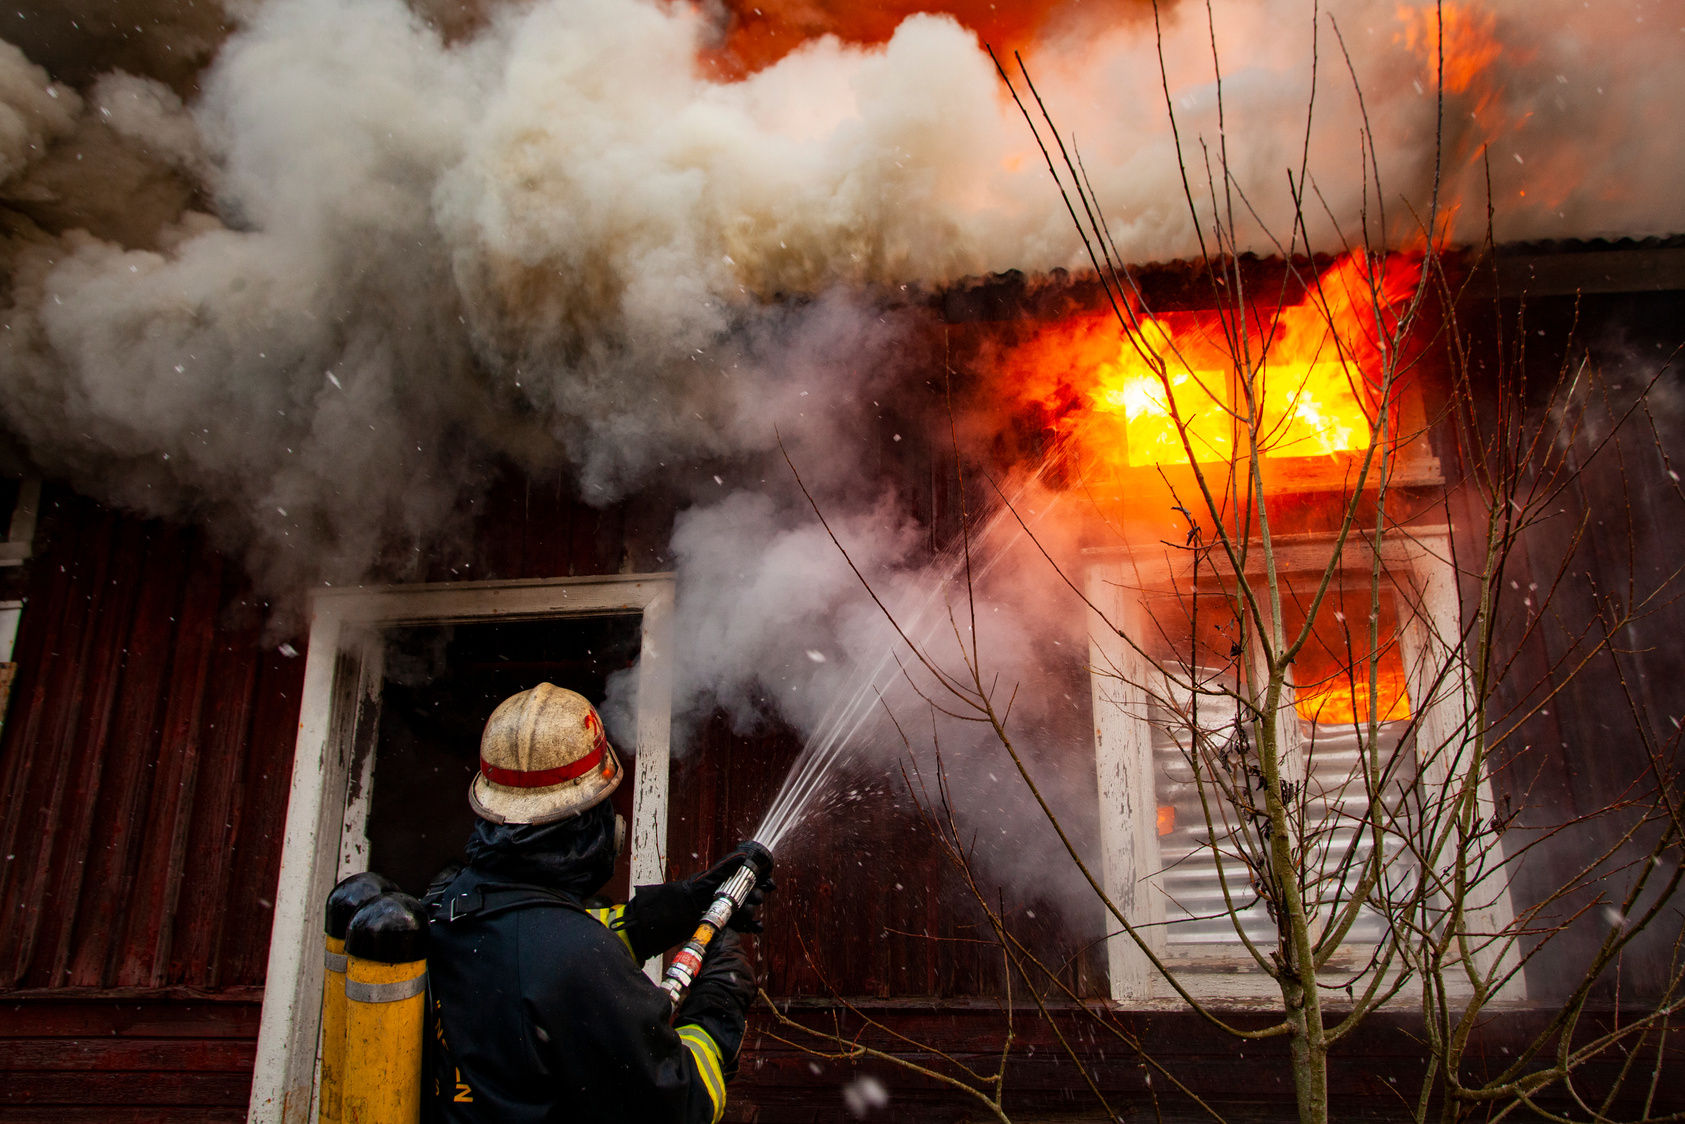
(719, 998)
(705, 885)
(659, 917)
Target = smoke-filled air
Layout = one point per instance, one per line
(301, 274)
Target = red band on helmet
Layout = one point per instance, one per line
(543, 778)
(595, 725)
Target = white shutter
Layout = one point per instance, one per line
(1197, 920)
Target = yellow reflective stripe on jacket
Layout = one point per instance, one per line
(613, 918)
(707, 1055)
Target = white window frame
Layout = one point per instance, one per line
(11, 616)
(15, 550)
(20, 530)
(333, 768)
(1420, 564)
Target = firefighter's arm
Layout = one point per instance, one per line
(617, 1022)
(718, 1002)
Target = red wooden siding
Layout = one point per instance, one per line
(1374, 1075)
(144, 770)
(1586, 752)
(867, 905)
(534, 527)
(185, 1060)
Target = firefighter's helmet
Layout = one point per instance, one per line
(543, 757)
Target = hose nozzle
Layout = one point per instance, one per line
(758, 854)
(757, 864)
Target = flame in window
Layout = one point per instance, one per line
(1190, 382)
(1331, 673)
(1344, 700)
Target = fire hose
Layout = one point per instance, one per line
(687, 962)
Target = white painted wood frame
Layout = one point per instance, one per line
(16, 547)
(11, 615)
(1123, 766)
(1420, 568)
(1436, 674)
(333, 769)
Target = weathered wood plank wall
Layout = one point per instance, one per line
(181, 1058)
(1580, 744)
(143, 778)
(146, 754)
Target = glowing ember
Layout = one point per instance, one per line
(1311, 368)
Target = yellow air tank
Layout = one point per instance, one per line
(385, 1000)
(347, 898)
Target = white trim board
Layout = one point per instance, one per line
(11, 615)
(16, 547)
(327, 813)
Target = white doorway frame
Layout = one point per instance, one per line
(333, 767)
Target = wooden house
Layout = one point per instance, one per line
(179, 790)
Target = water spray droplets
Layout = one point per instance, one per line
(857, 704)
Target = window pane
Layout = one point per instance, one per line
(1334, 670)
(1208, 788)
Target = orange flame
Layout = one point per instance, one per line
(1471, 44)
(760, 32)
(1344, 700)
(1311, 370)
(1331, 672)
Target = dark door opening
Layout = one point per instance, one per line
(442, 683)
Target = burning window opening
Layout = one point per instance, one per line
(1332, 672)
(1313, 368)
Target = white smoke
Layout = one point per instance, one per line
(149, 113)
(773, 619)
(556, 239)
(34, 112)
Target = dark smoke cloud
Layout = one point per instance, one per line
(79, 40)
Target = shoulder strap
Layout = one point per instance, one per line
(488, 899)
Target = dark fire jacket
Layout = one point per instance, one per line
(541, 1013)
(539, 1010)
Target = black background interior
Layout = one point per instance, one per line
(442, 683)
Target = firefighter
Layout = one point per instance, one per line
(540, 1009)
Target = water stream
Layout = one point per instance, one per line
(854, 713)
